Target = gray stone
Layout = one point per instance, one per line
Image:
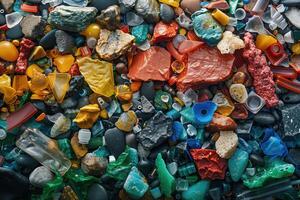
(147, 105)
(33, 26)
(70, 18)
(290, 120)
(40, 176)
(2, 20)
(110, 18)
(97, 192)
(14, 33)
(127, 3)
(65, 42)
(115, 141)
(147, 90)
(48, 41)
(149, 9)
(156, 130)
(94, 165)
(291, 98)
(167, 13)
(131, 140)
(264, 119)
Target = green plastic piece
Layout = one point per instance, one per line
(237, 164)
(188, 115)
(24, 99)
(135, 184)
(120, 168)
(192, 179)
(163, 100)
(274, 169)
(140, 33)
(167, 181)
(233, 5)
(51, 187)
(196, 191)
(95, 142)
(65, 146)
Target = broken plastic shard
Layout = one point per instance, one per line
(87, 116)
(44, 150)
(255, 25)
(59, 84)
(61, 125)
(167, 181)
(13, 19)
(98, 74)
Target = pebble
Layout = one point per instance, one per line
(291, 98)
(167, 13)
(40, 176)
(14, 33)
(112, 137)
(97, 192)
(25, 161)
(264, 119)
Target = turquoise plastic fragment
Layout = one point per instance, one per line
(196, 191)
(237, 164)
(274, 169)
(188, 115)
(206, 27)
(174, 114)
(101, 152)
(135, 184)
(120, 168)
(156, 193)
(167, 181)
(65, 146)
(140, 33)
(232, 6)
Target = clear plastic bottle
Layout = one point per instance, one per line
(44, 150)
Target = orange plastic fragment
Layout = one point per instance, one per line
(175, 54)
(29, 8)
(135, 86)
(41, 117)
(288, 84)
(20, 84)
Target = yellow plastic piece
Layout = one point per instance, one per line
(296, 48)
(37, 53)
(20, 84)
(221, 17)
(98, 74)
(53, 53)
(8, 51)
(123, 93)
(10, 94)
(93, 30)
(174, 3)
(59, 84)
(104, 114)
(87, 116)
(31, 68)
(38, 81)
(64, 63)
(16, 43)
(263, 41)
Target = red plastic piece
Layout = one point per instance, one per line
(276, 53)
(239, 112)
(172, 80)
(124, 28)
(260, 71)
(175, 54)
(153, 64)
(209, 164)
(19, 117)
(164, 31)
(29, 8)
(4, 27)
(205, 65)
(284, 72)
(85, 51)
(192, 36)
(188, 46)
(288, 84)
(74, 71)
(25, 48)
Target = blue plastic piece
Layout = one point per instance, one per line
(204, 112)
(244, 145)
(98, 129)
(193, 143)
(246, 1)
(272, 145)
(179, 132)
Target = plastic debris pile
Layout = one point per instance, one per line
(149, 99)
